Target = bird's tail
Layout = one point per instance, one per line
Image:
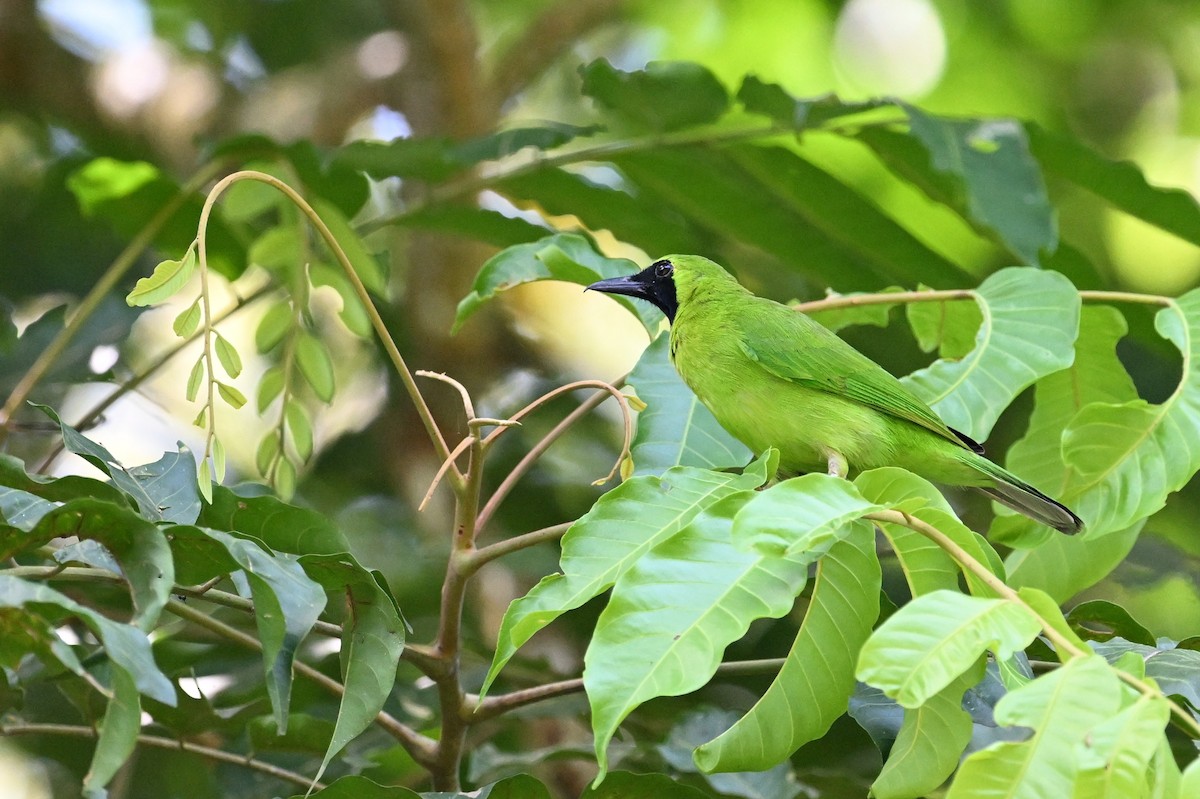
(1009, 490)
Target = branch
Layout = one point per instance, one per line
(496, 705)
(531, 457)
(418, 746)
(499, 549)
(951, 295)
(169, 743)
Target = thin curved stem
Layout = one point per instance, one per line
(1061, 643)
(950, 295)
(385, 336)
(526, 463)
(160, 742)
(106, 283)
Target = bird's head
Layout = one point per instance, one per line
(668, 282)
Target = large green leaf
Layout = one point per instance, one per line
(1127, 458)
(936, 637)
(562, 256)
(1001, 180)
(930, 742)
(622, 527)
(785, 216)
(1061, 708)
(1030, 320)
(372, 639)
(126, 646)
(1096, 375)
(282, 527)
(802, 516)
(674, 611)
(663, 96)
(843, 216)
(1119, 182)
(356, 787)
(675, 429)
(1117, 752)
(171, 483)
(813, 687)
(625, 785)
(286, 602)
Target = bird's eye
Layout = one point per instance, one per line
(663, 269)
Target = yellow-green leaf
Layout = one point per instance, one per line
(273, 326)
(235, 398)
(195, 379)
(186, 323)
(228, 356)
(166, 279)
(299, 429)
(316, 365)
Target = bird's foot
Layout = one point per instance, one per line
(837, 465)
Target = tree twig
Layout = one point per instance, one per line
(159, 742)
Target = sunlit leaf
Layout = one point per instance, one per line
(299, 429)
(369, 269)
(1116, 753)
(166, 280)
(270, 386)
(273, 326)
(800, 516)
(1030, 320)
(231, 395)
(813, 687)
(186, 323)
(316, 365)
(621, 528)
(231, 362)
(936, 637)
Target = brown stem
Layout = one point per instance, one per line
(950, 295)
(168, 743)
(104, 285)
(499, 549)
(531, 457)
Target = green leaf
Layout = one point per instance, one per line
(1096, 375)
(1121, 749)
(218, 459)
(282, 527)
(372, 640)
(268, 448)
(278, 249)
(674, 611)
(231, 395)
(489, 227)
(164, 282)
(186, 323)
(353, 315)
(772, 100)
(299, 429)
(129, 194)
(1127, 458)
(947, 326)
(780, 209)
(228, 356)
(844, 218)
(1030, 320)
(675, 429)
(316, 365)
(116, 736)
(562, 256)
(702, 724)
(930, 742)
(273, 326)
(284, 478)
(936, 637)
(663, 96)
(1061, 707)
(204, 480)
(126, 646)
(286, 602)
(1119, 182)
(801, 516)
(875, 314)
(813, 687)
(1191, 778)
(1002, 182)
(1099, 620)
(370, 270)
(102, 459)
(604, 543)
(195, 378)
(270, 386)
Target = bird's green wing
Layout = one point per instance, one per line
(795, 348)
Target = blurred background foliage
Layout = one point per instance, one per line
(173, 82)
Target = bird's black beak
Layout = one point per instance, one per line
(655, 284)
(629, 285)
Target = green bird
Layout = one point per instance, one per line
(773, 377)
